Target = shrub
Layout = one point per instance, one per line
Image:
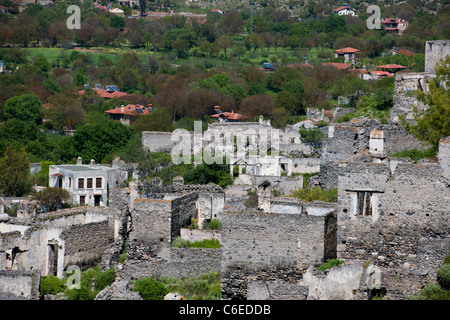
(307, 194)
(432, 292)
(207, 243)
(330, 264)
(443, 276)
(150, 289)
(415, 154)
(179, 242)
(214, 224)
(51, 285)
(104, 279)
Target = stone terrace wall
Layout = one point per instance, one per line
(180, 262)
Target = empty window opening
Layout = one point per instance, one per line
(364, 203)
(52, 257)
(98, 183)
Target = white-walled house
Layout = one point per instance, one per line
(87, 184)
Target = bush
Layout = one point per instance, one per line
(415, 154)
(51, 285)
(432, 292)
(104, 279)
(214, 224)
(178, 242)
(330, 264)
(150, 289)
(307, 194)
(443, 276)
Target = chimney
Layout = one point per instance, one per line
(92, 164)
(122, 108)
(79, 161)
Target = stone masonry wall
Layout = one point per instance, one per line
(85, 244)
(272, 248)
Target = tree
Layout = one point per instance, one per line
(100, 138)
(142, 6)
(158, 120)
(433, 124)
(225, 42)
(117, 22)
(231, 23)
(52, 198)
(26, 107)
(15, 179)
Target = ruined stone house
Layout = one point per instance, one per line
(395, 214)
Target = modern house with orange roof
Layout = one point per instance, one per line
(228, 116)
(377, 74)
(348, 53)
(344, 11)
(109, 93)
(394, 26)
(129, 113)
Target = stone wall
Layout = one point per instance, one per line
(156, 222)
(272, 248)
(435, 50)
(19, 285)
(179, 262)
(155, 141)
(86, 243)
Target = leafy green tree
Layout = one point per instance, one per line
(98, 139)
(117, 22)
(52, 198)
(434, 123)
(15, 179)
(26, 107)
(158, 120)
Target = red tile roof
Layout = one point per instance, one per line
(393, 20)
(381, 73)
(341, 66)
(346, 50)
(342, 8)
(131, 109)
(362, 71)
(301, 65)
(105, 93)
(391, 66)
(228, 115)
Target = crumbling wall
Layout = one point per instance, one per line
(272, 248)
(435, 50)
(19, 285)
(155, 141)
(86, 243)
(179, 262)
